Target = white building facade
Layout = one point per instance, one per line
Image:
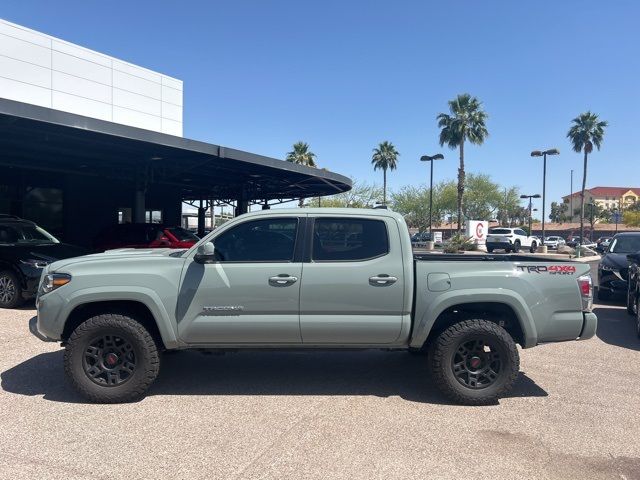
(42, 70)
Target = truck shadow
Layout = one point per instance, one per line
(616, 326)
(381, 374)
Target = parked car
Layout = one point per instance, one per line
(613, 268)
(313, 279)
(25, 249)
(603, 243)
(633, 288)
(574, 241)
(553, 242)
(420, 237)
(511, 240)
(143, 235)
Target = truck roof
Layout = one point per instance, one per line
(377, 212)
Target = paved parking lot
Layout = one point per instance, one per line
(575, 413)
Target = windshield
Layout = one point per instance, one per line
(25, 234)
(183, 235)
(500, 231)
(625, 245)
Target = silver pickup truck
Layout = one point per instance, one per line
(309, 279)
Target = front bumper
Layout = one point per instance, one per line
(33, 328)
(608, 280)
(589, 326)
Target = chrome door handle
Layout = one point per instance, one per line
(382, 280)
(282, 280)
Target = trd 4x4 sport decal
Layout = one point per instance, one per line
(551, 269)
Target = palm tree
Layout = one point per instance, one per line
(302, 156)
(385, 157)
(466, 121)
(585, 132)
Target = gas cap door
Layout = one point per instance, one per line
(438, 282)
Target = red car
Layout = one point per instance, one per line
(144, 235)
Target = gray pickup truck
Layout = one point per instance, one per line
(309, 279)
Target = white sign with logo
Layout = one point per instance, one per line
(477, 230)
(437, 237)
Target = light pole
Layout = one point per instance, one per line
(571, 199)
(538, 153)
(431, 159)
(616, 217)
(537, 195)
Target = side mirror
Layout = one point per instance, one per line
(205, 253)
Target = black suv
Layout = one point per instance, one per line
(613, 270)
(25, 249)
(633, 291)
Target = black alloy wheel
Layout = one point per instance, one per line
(10, 291)
(476, 363)
(109, 360)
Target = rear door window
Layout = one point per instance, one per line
(346, 239)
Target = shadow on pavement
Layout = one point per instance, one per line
(616, 326)
(381, 374)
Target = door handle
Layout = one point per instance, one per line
(382, 280)
(282, 280)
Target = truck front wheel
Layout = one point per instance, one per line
(474, 362)
(111, 358)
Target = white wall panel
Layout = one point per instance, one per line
(25, 72)
(137, 71)
(171, 111)
(25, 51)
(22, 33)
(133, 101)
(136, 119)
(71, 65)
(81, 87)
(79, 52)
(42, 70)
(171, 95)
(135, 84)
(23, 92)
(171, 127)
(81, 106)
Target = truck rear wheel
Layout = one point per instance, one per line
(111, 358)
(474, 362)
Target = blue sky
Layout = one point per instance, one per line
(345, 76)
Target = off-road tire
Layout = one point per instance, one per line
(147, 358)
(11, 279)
(534, 247)
(442, 351)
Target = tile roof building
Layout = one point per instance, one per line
(610, 198)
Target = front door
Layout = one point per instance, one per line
(353, 284)
(251, 293)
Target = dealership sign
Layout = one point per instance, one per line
(477, 230)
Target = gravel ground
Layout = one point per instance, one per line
(575, 413)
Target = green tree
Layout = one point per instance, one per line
(482, 197)
(302, 155)
(559, 212)
(631, 218)
(508, 206)
(385, 157)
(413, 203)
(466, 121)
(586, 131)
(361, 195)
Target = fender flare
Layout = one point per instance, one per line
(142, 295)
(481, 295)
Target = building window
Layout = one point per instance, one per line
(153, 216)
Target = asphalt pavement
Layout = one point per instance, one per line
(574, 413)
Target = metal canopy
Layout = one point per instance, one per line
(38, 138)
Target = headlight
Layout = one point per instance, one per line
(35, 263)
(52, 281)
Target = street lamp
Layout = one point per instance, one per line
(537, 195)
(538, 153)
(616, 217)
(431, 159)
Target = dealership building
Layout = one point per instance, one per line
(88, 140)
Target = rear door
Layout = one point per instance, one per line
(353, 281)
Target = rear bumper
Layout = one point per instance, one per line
(589, 326)
(498, 245)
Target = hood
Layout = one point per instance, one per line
(49, 252)
(615, 260)
(119, 254)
